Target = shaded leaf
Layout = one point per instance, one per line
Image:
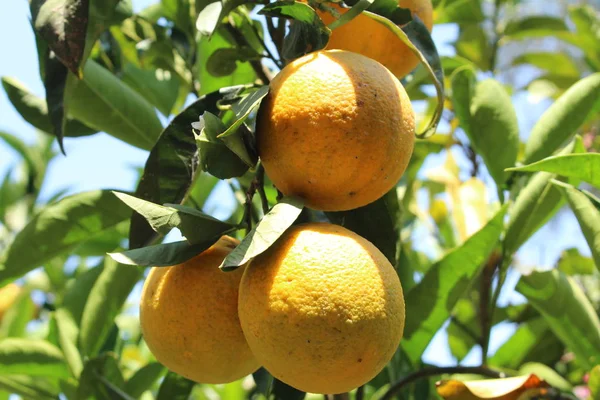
(507, 388)
(35, 110)
(143, 379)
(562, 120)
(55, 80)
(216, 157)
(59, 228)
(430, 303)
(416, 36)
(307, 32)
(29, 387)
(283, 391)
(534, 26)
(175, 387)
(104, 302)
(265, 233)
(99, 379)
(587, 215)
(196, 226)
(161, 255)
(32, 357)
(103, 102)
(585, 167)
(568, 312)
(63, 25)
(171, 165)
(377, 222)
(594, 383)
(474, 45)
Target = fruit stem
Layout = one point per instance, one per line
(434, 371)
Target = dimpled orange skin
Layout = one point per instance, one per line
(368, 37)
(189, 319)
(322, 309)
(336, 129)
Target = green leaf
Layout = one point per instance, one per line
(180, 12)
(215, 157)
(283, 391)
(459, 11)
(158, 86)
(594, 383)
(196, 226)
(244, 107)
(513, 352)
(161, 255)
(78, 291)
(55, 80)
(558, 63)
(175, 387)
(307, 32)
(534, 26)
(221, 38)
(101, 379)
(430, 303)
(377, 222)
(562, 120)
(59, 228)
(68, 332)
(103, 102)
(535, 204)
(24, 151)
(63, 25)
(210, 17)
(474, 45)
(571, 262)
(265, 233)
(32, 357)
(568, 312)
(32, 388)
(143, 379)
(35, 110)
(104, 303)
(171, 165)
(416, 36)
(14, 320)
(587, 215)
(585, 167)
(488, 118)
(361, 5)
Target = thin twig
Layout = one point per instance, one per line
(260, 182)
(264, 45)
(485, 307)
(273, 32)
(428, 372)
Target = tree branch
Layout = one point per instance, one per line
(434, 371)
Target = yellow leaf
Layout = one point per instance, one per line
(517, 388)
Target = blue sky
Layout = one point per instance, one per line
(101, 161)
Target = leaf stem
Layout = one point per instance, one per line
(434, 371)
(241, 41)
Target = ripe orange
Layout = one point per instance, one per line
(189, 318)
(337, 129)
(368, 37)
(322, 309)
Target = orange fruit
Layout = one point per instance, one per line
(368, 37)
(8, 295)
(189, 318)
(322, 309)
(337, 129)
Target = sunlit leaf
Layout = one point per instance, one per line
(60, 227)
(104, 302)
(143, 379)
(430, 303)
(175, 387)
(562, 120)
(265, 233)
(585, 167)
(33, 357)
(29, 387)
(568, 312)
(161, 255)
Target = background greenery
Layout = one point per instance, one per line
(444, 228)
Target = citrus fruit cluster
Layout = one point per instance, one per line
(322, 309)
